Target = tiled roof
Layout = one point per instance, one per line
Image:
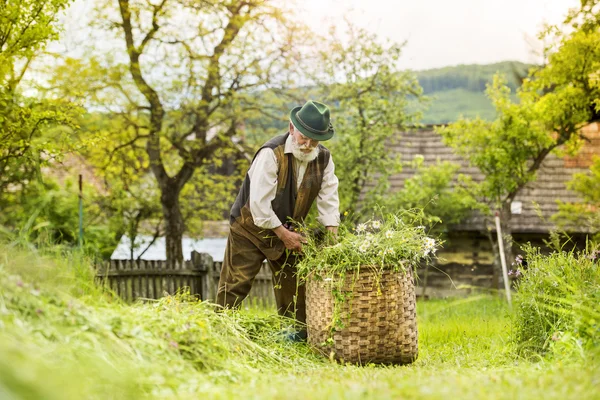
(549, 186)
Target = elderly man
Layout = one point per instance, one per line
(288, 173)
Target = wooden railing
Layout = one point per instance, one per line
(143, 279)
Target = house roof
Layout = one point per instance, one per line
(549, 186)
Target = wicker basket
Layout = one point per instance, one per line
(379, 318)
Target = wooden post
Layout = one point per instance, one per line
(503, 260)
(203, 263)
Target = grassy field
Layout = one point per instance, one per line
(61, 337)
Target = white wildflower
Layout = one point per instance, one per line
(360, 228)
(369, 237)
(428, 246)
(389, 250)
(376, 224)
(389, 234)
(364, 247)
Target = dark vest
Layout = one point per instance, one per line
(290, 203)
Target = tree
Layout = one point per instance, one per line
(33, 131)
(585, 215)
(131, 198)
(554, 104)
(432, 189)
(370, 99)
(185, 87)
(585, 17)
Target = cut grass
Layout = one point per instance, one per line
(63, 338)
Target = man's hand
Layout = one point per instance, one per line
(332, 234)
(333, 230)
(292, 240)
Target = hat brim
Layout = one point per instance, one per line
(315, 136)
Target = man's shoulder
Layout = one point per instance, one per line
(275, 141)
(324, 155)
(322, 148)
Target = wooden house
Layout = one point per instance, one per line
(467, 258)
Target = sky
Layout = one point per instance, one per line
(449, 32)
(437, 33)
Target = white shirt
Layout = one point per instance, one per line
(263, 188)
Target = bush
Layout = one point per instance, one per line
(558, 302)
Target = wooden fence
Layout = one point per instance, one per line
(142, 279)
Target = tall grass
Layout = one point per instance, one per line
(57, 326)
(558, 303)
(63, 337)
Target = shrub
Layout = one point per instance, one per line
(558, 301)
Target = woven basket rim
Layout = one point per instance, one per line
(358, 270)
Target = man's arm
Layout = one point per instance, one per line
(263, 188)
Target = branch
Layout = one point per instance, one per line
(156, 108)
(156, 235)
(155, 26)
(232, 29)
(122, 146)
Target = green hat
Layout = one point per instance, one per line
(312, 120)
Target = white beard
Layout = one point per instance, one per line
(304, 157)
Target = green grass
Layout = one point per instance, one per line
(63, 338)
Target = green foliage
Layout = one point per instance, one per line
(459, 91)
(554, 103)
(392, 241)
(432, 190)
(370, 98)
(27, 26)
(503, 150)
(471, 78)
(211, 62)
(46, 213)
(584, 215)
(558, 302)
(34, 132)
(564, 91)
(586, 16)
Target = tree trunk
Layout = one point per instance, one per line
(506, 227)
(496, 266)
(174, 225)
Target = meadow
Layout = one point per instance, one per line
(64, 337)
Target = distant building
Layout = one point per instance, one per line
(467, 257)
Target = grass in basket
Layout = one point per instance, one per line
(388, 242)
(392, 241)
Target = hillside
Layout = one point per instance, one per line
(459, 90)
